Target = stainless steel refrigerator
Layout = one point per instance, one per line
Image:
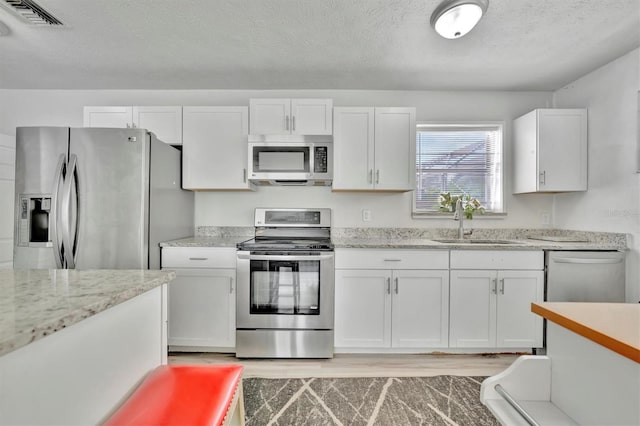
(93, 198)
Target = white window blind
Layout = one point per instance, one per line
(460, 159)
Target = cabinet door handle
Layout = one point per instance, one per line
(378, 176)
(244, 175)
(286, 123)
(198, 258)
(370, 175)
(293, 123)
(388, 285)
(543, 177)
(231, 286)
(396, 280)
(501, 285)
(494, 288)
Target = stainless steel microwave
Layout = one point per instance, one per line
(290, 160)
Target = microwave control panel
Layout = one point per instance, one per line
(320, 159)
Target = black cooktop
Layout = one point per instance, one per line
(280, 244)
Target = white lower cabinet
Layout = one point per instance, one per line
(377, 307)
(490, 307)
(202, 298)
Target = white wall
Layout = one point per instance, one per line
(7, 179)
(62, 108)
(612, 202)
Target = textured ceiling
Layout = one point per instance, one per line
(312, 44)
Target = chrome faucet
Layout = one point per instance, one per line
(459, 216)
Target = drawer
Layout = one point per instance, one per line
(391, 259)
(198, 257)
(496, 259)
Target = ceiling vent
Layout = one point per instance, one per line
(32, 12)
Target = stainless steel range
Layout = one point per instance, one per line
(284, 301)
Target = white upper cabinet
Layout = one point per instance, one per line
(214, 152)
(283, 116)
(550, 151)
(164, 121)
(374, 149)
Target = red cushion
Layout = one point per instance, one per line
(181, 395)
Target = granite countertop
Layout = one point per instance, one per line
(36, 303)
(514, 244)
(216, 241)
(423, 238)
(615, 326)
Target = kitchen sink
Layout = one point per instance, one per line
(477, 241)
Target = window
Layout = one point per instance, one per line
(460, 159)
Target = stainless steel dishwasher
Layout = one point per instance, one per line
(585, 276)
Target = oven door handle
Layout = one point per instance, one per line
(284, 257)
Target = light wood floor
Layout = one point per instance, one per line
(369, 365)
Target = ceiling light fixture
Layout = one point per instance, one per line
(455, 18)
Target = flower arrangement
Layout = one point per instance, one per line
(470, 204)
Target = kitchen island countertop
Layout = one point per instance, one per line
(37, 303)
(615, 326)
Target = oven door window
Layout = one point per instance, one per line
(285, 287)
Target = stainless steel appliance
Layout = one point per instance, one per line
(585, 276)
(96, 198)
(290, 160)
(285, 296)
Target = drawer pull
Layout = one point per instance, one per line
(393, 260)
(198, 258)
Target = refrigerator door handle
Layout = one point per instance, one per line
(55, 212)
(70, 216)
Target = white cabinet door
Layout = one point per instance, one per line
(353, 154)
(202, 308)
(362, 309)
(395, 147)
(269, 116)
(164, 121)
(472, 309)
(311, 116)
(517, 326)
(374, 149)
(108, 116)
(562, 149)
(550, 151)
(285, 116)
(420, 314)
(214, 153)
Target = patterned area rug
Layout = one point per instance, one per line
(440, 400)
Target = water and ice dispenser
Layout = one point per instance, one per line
(34, 220)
